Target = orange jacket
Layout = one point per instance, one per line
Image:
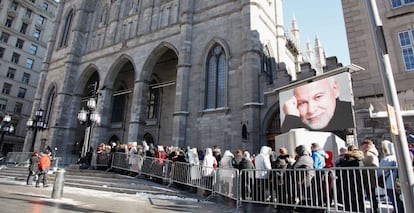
(44, 162)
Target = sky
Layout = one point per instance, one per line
(323, 18)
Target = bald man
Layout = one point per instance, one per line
(316, 106)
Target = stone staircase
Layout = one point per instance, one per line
(98, 180)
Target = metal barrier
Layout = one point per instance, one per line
(227, 181)
(338, 189)
(333, 190)
(18, 158)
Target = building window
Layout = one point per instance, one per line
(36, 34)
(65, 33)
(118, 107)
(6, 88)
(267, 65)
(216, 78)
(15, 58)
(29, 63)
(34, 1)
(400, 3)
(406, 39)
(26, 78)
(33, 49)
(19, 43)
(41, 20)
(22, 92)
(50, 104)
(23, 29)
(4, 37)
(14, 5)
(2, 50)
(11, 72)
(153, 97)
(28, 13)
(18, 107)
(9, 21)
(45, 6)
(3, 104)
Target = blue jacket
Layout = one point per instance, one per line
(318, 157)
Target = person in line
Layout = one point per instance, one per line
(208, 166)
(282, 162)
(318, 157)
(262, 164)
(247, 176)
(390, 175)
(316, 106)
(195, 171)
(33, 168)
(328, 179)
(342, 152)
(303, 176)
(44, 166)
(237, 158)
(226, 173)
(217, 154)
(371, 162)
(349, 181)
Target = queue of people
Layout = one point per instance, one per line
(275, 176)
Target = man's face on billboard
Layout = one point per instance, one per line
(316, 102)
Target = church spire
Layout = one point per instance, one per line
(295, 31)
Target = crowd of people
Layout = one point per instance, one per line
(277, 176)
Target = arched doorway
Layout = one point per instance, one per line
(273, 128)
(161, 99)
(120, 105)
(85, 129)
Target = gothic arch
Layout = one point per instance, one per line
(271, 123)
(85, 77)
(211, 43)
(115, 68)
(51, 95)
(153, 57)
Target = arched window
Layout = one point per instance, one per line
(50, 103)
(267, 65)
(153, 97)
(245, 134)
(66, 30)
(216, 78)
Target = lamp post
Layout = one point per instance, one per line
(36, 124)
(5, 127)
(88, 117)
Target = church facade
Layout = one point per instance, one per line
(171, 72)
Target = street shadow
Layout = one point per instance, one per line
(51, 204)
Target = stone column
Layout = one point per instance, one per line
(183, 76)
(103, 106)
(138, 111)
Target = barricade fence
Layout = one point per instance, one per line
(337, 189)
(352, 189)
(23, 159)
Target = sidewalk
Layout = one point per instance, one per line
(16, 197)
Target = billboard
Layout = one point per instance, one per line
(320, 104)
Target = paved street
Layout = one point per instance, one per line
(15, 196)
